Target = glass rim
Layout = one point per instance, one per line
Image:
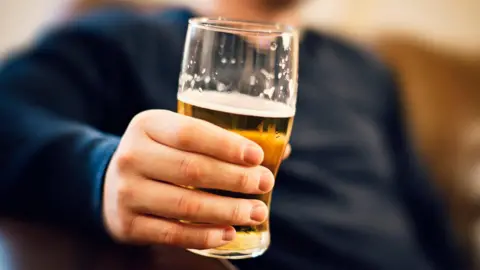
(222, 24)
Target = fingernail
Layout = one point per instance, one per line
(259, 213)
(253, 154)
(229, 234)
(265, 184)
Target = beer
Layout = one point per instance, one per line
(263, 121)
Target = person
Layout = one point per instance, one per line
(90, 139)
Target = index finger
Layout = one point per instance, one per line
(198, 136)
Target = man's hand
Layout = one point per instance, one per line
(160, 153)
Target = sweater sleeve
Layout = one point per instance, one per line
(423, 201)
(66, 101)
(336, 202)
(54, 102)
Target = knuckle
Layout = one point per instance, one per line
(141, 119)
(186, 135)
(188, 207)
(233, 149)
(127, 228)
(207, 239)
(171, 235)
(244, 181)
(126, 159)
(189, 169)
(236, 212)
(125, 193)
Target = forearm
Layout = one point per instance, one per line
(58, 177)
(53, 151)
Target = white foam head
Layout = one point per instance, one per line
(236, 103)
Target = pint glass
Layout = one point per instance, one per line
(242, 76)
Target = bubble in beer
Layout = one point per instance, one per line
(221, 87)
(253, 80)
(267, 74)
(273, 46)
(269, 91)
(266, 122)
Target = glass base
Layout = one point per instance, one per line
(243, 247)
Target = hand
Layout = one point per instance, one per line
(162, 151)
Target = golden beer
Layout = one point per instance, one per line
(263, 121)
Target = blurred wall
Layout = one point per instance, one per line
(450, 24)
(19, 19)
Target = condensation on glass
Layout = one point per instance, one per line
(242, 76)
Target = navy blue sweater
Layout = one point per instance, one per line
(351, 196)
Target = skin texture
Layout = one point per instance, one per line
(144, 198)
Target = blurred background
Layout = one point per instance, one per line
(433, 46)
(453, 23)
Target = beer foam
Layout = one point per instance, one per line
(236, 103)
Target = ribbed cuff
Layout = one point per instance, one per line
(100, 159)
